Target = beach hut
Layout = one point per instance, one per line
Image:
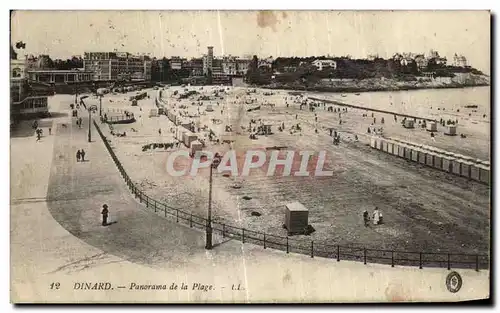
(188, 137)
(456, 165)
(402, 150)
(484, 174)
(414, 154)
(385, 145)
(296, 218)
(379, 143)
(390, 146)
(409, 123)
(422, 156)
(429, 158)
(395, 148)
(474, 172)
(447, 164)
(407, 152)
(373, 142)
(465, 169)
(451, 130)
(438, 161)
(431, 126)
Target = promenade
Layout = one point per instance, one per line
(57, 237)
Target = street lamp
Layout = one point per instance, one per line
(208, 244)
(76, 93)
(90, 138)
(100, 106)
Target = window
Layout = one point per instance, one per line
(16, 72)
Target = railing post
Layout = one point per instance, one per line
(191, 221)
(147, 201)
(364, 255)
(477, 263)
(223, 230)
(312, 249)
(392, 258)
(420, 263)
(155, 205)
(165, 210)
(449, 261)
(287, 244)
(140, 197)
(177, 215)
(243, 235)
(264, 240)
(338, 253)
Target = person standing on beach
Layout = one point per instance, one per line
(83, 155)
(78, 155)
(105, 213)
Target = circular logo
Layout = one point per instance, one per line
(453, 282)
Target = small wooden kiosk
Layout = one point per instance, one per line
(296, 218)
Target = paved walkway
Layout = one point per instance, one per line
(56, 236)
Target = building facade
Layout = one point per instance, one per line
(459, 60)
(208, 60)
(22, 102)
(242, 66)
(59, 76)
(324, 64)
(229, 65)
(176, 63)
(108, 66)
(195, 66)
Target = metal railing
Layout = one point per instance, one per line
(291, 245)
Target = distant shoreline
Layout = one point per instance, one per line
(367, 89)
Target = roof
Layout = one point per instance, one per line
(296, 206)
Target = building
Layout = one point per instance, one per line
(176, 63)
(242, 66)
(459, 60)
(421, 62)
(108, 66)
(324, 64)
(194, 66)
(266, 63)
(405, 61)
(229, 65)
(208, 60)
(59, 76)
(22, 100)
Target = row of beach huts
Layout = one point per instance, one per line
(457, 164)
(183, 134)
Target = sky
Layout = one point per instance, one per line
(62, 34)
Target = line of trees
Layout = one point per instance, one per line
(300, 70)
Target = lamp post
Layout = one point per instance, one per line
(76, 93)
(208, 244)
(90, 138)
(100, 106)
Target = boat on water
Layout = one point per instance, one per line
(357, 94)
(343, 95)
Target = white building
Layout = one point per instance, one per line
(459, 60)
(323, 64)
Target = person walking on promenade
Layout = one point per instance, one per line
(376, 216)
(50, 131)
(78, 155)
(366, 219)
(83, 155)
(105, 213)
